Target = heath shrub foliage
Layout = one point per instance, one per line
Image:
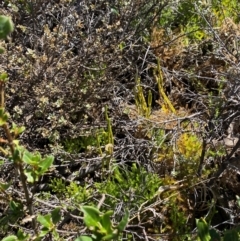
(75, 165)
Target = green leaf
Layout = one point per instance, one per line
(3, 77)
(46, 163)
(15, 206)
(31, 177)
(121, 45)
(36, 158)
(106, 221)
(6, 26)
(22, 236)
(118, 176)
(10, 238)
(203, 230)
(121, 226)
(44, 232)
(56, 216)
(91, 216)
(28, 158)
(45, 221)
(20, 130)
(5, 186)
(110, 236)
(3, 117)
(17, 130)
(83, 238)
(16, 155)
(55, 234)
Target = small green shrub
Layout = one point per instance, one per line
(77, 193)
(83, 143)
(74, 191)
(101, 226)
(158, 136)
(189, 148)
(178, 220)
(6, 26)
(58, 186)
(132, 186)
(194, 18)
(205, 233)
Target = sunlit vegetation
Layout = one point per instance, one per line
(119, 120)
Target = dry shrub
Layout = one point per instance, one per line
(67, 59)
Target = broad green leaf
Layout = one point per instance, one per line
(17, 130)
(22, 236)
(55, 234)
(203, 230)
(28, 157)
(121, 226)
(20, 130)
(16, 143)
(10, 238)
(106, 221)
(44, 232)
(36, 160)
(3, 77)
(30, 176)
(121, 46)
(46, 163)
(16, 155)
(6, 26)
(45, 221)
(83, 238)
(56, 216)
(5, 186)
(110, 236)
(91, 216)
(15, 206)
